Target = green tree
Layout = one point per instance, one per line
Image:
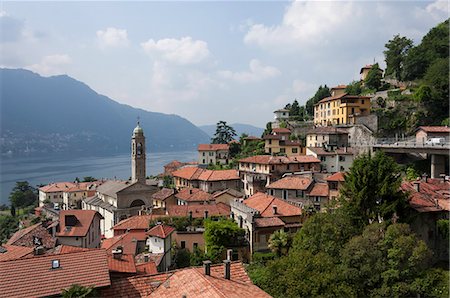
(168, 182)
(320, 94)
(182, 258)
(437, 78)
(295, 109)
(372, 189)
(395, 54)
(354, 88)
(411, 174)
(197, 257)
(224, 133)
(79, 292)
(373, 79)
(23, 195)
(220, 235)
(8, 225)
(280, 242)
(268, 129)
(89, 179)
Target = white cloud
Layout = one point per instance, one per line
(113, 37)
(439, 6)
(182, 51)
(257, 72)
(51, 65)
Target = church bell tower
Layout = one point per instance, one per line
(138, 155)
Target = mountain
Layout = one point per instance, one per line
(240, 128)
(60, 114)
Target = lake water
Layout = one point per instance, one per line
(43, 170)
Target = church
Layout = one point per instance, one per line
(116, 200)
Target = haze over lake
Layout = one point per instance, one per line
(46, 169)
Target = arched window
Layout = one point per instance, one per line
(139, 149)
(137, 203)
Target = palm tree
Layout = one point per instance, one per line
(280, 242)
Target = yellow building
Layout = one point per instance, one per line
(340, 108)
(278, 143)
(365, 71)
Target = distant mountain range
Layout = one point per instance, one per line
(59, 114)
(238, 127)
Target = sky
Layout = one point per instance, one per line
(208, 61)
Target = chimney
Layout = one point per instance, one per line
(146, 258)
(442, 177)
(274, 209)
(426, 177)
(207, 266)
(206, 214)
(417, 186)
(227, 266)
(117, 253)
(229, 254)
(39, 250)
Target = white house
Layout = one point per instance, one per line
(159, 242)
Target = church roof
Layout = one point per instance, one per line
(96, 201)
(112, 187)
(138, 129)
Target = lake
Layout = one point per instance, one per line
(44, 170)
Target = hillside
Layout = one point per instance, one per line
(59, 114)
(240, 128)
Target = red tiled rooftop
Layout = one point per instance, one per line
(212, 147)
(163, 194)
(265, 222)
(81, 228)
(264, 204)
(193, 195)
(281, 130)
(219, 175)
(137, 222)
(433, 195)
(160, 231)
(57, 187)
(188, 173)
(34, 276)
(12, 252)
(437, 129)
(127, 241)
(319, 190)
(339, 177)
(124, 264)
(146, 268)
(291, 182)
(24, 237)
(219, 209)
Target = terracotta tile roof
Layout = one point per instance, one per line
(339, 151)
(34, 276)
(219, 209)
(272, 137)
(63, 249)
(174, 164)
(160, 231)
(212, 147)
(339, 176)
(24, 237)
(291, 182)
(319, 190)
(81, 228)
(57, 187)
(83, 186)
(194, 283)
(112, 187)
(188, 173)
(146, 268)
(265, 222)
(127, 241)
(136, 286)
(433, 195)
(123, 265)
(442, 129)
(268, 159)
(12, 252)
(342, 96)
(137, 222)
(281, 130)
(193, 195)
(264, 204)
(163, 194)
(219, 175)
(230, 191)
(327, 130)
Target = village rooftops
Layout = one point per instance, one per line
(213, 147)
(48, 275)
(266, 222)
(28, 236)
(269, 206)
(137, 222)
(12, 252)
(161, 231)
(189, 282)
(193, 195)
(163, 194)
(195, 173)
(319, 190)
(338, 177)
(268, 159)
(76, 223)
(428, 195)
(124, 264)
(127, 241)
(338, 151)
(435, 129)
(291, 182)
(327, 130)
(197, 211)
(57, 187)
(281, 130)
(341, 96)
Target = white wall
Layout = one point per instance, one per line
(155, 245)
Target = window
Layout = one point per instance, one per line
(183, 244)
(300, 193)
(203, 153)
(55, 264)
(362, 101)
(282, 150)
(323, 158)
(317, 199)
(270, 142)
(195, 245)
(316, 138)
(294, 150)
(285, 194)
(341, 158)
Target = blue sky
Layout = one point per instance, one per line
(208, 61)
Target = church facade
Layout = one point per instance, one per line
(116, 200)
